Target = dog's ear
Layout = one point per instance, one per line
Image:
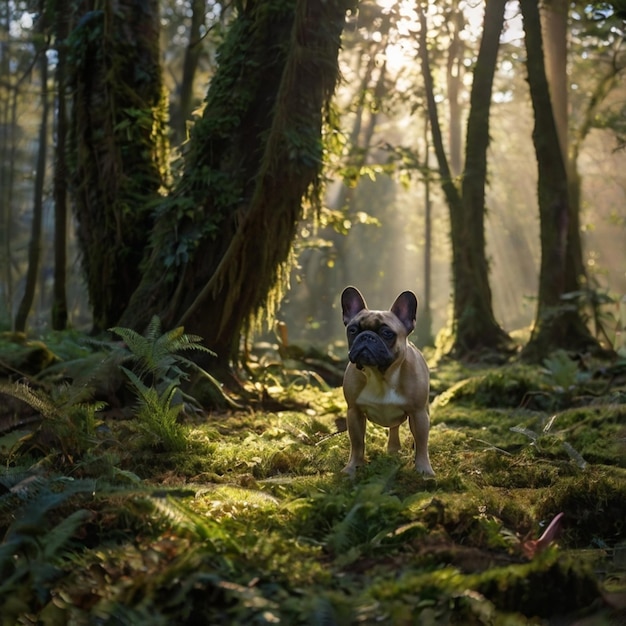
(405, 309)
(352, 302)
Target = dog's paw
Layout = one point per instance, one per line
(425, 470)
(349, 471)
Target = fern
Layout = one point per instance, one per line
(33, 548)
(157, 353)
(35, 399)
(185, 521)
(561, 370)
(158, 417)
(373, 511)
(157, 357)
(68, 426)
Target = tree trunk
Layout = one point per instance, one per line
(182, 112)
(473, 326)
(59, 296)
(473, 308)
(424, 325)
(34, 247)
(553, 15)
(576, 271)
(224, 236)
(8, 122)
(454, 81)
(556, 326)
(119, 157)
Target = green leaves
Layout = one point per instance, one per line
(157, 414)
(156, 357)
(157, 353)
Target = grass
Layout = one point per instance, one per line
(252, 521)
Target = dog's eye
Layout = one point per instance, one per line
(352, 330)
(387, 333)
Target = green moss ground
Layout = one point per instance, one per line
(253, 523)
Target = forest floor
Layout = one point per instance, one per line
(244, 517)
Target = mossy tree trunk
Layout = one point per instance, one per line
(224, 236)
(473, 325)
(556, 325)
(119, 145)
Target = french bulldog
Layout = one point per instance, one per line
(387, 379)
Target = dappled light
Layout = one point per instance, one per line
(202, 421)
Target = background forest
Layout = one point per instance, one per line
(381, 189)
(187, 186)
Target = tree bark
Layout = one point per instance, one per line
(424, 324)
(473, 325)
(34, 246)
(454, 81)
(59, 295)
(182, 112)
(223, 240)
(119, 147)
(553, 16)
(8, 123)
(556, 325)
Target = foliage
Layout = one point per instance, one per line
(157, 353)
(67, 429)
(34, 546)
(250, 521)
(157, 358)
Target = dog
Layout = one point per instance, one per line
(387, 378)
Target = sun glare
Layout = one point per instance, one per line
(402, 48)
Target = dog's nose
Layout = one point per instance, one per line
(368, 335)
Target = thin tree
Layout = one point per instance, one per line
(473, 325)
(553, 16)
(59, 295)
(556, 325)
(424, 324)
(9, 97)
(182, 112)
(34, 247)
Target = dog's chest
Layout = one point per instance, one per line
(381, 401)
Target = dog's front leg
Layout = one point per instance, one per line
(420, 425)
(393, 441)
(356, 432)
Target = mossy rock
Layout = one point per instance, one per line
(20, 355)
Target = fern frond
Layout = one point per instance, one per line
(158, 417)
(189, 522)
(176, 340)
(57, 538)
(136, 382)
(35, 399)
(137, 344)
(153, 330)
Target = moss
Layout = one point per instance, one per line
(254, 521)
(594, 504)
(512, 386)
(550, 585)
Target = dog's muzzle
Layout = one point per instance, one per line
(369, 349)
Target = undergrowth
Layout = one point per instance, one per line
(159, 513)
